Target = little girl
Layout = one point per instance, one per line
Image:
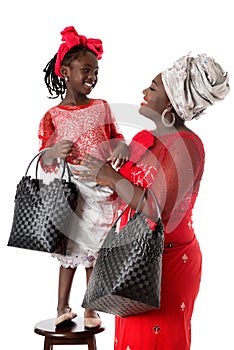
(77, 126)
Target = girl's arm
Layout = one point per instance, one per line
(47, 137)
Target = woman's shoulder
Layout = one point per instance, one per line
(189, 134)
(140, 143)
(142, 140)
(191, 137)
(184, 134)
(144, 137)
(184, 138)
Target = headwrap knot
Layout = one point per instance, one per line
(194, 83)
(70, 39)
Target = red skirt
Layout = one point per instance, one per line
(167, 328)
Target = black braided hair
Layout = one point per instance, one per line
(56, 85)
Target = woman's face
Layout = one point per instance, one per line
(155, 97)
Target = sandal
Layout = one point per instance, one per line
(92, 322)
(68, 315)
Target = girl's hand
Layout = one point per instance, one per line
(120, 155)
(98, 171)
(59, 150)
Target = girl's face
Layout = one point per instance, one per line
(83, 74)
(155, 97)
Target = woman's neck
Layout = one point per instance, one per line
(164, 130)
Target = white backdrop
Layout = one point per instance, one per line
(140, 39)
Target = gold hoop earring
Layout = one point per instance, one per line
(166, 123)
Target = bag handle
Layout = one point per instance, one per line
(139, 206)
(156, 203)
(39, 155)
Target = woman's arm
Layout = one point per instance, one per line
(177, 172)
(105, 175)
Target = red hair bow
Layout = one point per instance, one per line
(71, 38)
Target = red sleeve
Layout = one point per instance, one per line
(46, 132)
(180, 172)
(111, 124)
(47, 136)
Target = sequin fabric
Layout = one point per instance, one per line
(89, 127)
(92, 128)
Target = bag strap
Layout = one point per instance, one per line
(39, 155)
(137, 209)
(139, 206)
(156, 203)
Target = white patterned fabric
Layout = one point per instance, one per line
(90, 224)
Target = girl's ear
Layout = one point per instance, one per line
(64, 72)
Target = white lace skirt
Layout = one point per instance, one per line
(90, 224)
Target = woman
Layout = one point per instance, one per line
(170, 161)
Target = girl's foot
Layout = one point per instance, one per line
(91, 319)
(65, 314)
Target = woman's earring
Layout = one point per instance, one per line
(66, 79)
(165, 123)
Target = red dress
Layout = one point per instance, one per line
(172, 165)
(91, 128)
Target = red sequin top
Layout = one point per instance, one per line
(90, 127)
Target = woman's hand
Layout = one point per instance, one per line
(104, 175)
(98, 171)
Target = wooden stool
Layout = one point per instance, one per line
(71, 332)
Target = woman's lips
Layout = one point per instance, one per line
(144, 103)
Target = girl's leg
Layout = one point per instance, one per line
(65, 282)
(91, 317)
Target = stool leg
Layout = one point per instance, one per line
(92, 343)
(48, 344)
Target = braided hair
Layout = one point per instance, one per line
(56, 85)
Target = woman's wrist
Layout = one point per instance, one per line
(130, 194)
(114, 180)
(123, 187)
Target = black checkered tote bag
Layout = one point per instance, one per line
(43, 212)
(126, 278)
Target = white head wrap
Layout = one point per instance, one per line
(193, 84)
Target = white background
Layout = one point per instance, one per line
(140, 39)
